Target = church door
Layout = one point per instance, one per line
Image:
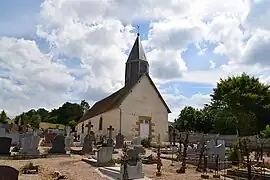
(144, 128)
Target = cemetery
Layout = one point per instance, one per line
(114, 158)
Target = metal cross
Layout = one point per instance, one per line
(138, 30)
(89, 126)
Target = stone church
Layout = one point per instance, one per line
(137, 109)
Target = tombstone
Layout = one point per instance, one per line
(29, 145)
(104, 155)
(58, 145)
(5, 145)
(82, 136)
(136, 143)
(68, 140)
(8, 173)
(15, 136)
(119, 141)
(88, 140)
(2, 132)
(134, 165)
(110, 140)
(216, 148)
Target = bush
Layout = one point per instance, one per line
(146, 142)
(234, 154)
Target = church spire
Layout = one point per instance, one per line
(136, 64)
(137, 51)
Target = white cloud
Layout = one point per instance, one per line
(98, 33)
(29, 78)
(212, 64)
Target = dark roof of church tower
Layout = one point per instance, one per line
(114, 101)
(137, 51)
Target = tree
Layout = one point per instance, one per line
(247, 99)
(186, 119)
(35, 121)
(224, 122)
(84, 106)
(3, 118)
(266, 132)
(44, 114)
(72, 124)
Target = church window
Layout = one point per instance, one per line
(100, 123)
(82, 128)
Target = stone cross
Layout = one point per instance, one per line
(110, 129)
(89, 126)
(110, 140)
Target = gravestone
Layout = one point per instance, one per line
(5, 145)
(110, 140)
(69, 139)
(29, 145)
(88, 140)
(134, 165)
(104, 155)
(2, 132)
(119, 141)
(136, 143)
(58, 145)
(8, 173)
(15, 136)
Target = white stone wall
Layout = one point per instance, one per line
(141, 101)
(144, 101)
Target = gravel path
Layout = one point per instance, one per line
(75, 169)
(72, 167)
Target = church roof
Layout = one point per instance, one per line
(114, 101)
(137, 51)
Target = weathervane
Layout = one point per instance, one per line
(138, 30)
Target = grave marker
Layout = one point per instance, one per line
(5, 145)
(8, 173)
(29, 145)
(88, 140)
(58, 145)
(110, 140)
(119, 141)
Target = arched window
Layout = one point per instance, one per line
(82, 128)
(100, 123)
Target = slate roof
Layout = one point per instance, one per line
(114, 101)
(137, 51)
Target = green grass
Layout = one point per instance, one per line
(51, 126)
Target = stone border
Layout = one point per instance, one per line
(23, 157)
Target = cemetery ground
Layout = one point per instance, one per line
(75, 169)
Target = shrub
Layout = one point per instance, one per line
(235, 154)
(146, 142)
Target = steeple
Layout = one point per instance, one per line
(137, 51)
(136, 64)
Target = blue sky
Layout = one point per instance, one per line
(50, 49)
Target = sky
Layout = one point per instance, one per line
(53, 51)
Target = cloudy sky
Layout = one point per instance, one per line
(54, 51)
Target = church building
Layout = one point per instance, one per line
(137, 109)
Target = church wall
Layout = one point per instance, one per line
(144, 101)
(111, 117)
